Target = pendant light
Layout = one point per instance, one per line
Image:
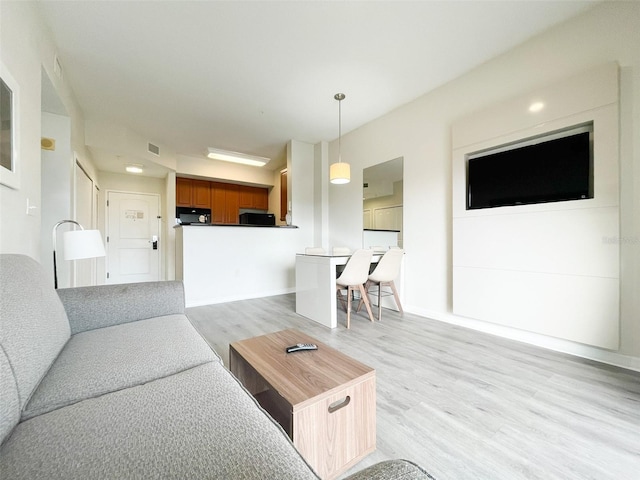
(340, 172)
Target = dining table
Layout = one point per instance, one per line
(316, 275)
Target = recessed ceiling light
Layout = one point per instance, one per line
(237, 157)
(134, 168)
(536, 107)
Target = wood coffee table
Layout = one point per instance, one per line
(324, 400)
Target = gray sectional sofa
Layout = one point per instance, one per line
(113, 382)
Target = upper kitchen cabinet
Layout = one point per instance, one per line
(183, 192)
(193, 193)
(225, 199)
(200, 194)
(218, 202)
(261, 198)
(253, 197)
(232, 201)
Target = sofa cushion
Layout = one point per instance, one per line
(392, 470)
(34, 325)
(9, 402)
(197, 424)
(104, 360)
(106, 305)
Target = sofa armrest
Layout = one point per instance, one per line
(392, 470)
(105, 305)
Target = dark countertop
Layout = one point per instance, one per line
(234, 225)
(379, 230)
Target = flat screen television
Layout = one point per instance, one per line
(555, 167)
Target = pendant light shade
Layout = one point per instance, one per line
(340, 172)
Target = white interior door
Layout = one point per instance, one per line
(133, 237)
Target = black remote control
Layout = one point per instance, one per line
(298, 347)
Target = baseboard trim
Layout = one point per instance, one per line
(216, 300)
(550, 343)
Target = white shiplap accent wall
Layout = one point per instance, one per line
(545, 268)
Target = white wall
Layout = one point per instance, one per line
(131, 183)
(27, 48)
(548, 261)
(57, 168)
(321, 196)
(421, 133)
(122, 145)
(168, 213)
(20, 233)
(300, 161)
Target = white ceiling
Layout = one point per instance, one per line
(249, 76)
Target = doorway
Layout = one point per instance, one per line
(133, 237)
(85, 272)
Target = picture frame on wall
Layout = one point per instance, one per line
(9, 134)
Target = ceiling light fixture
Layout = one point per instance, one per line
(340, 172)
(536, 107)
(134, 168)
(237, 157)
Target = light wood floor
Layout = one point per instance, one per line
(464, 404)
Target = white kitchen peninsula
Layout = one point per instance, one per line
(224, 263)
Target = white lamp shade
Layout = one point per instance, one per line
(80, 244)
(340, 173)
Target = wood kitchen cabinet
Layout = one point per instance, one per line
(218, 202)
(225, 203)
(224, 199)
(232, 204)
(183, 192)
(284, 200)
(245, 196)
(192, 193)
(253, 197)
(261, 198)
(200, 193)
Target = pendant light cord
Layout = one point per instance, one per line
(340, 172)
(339, 97)
(340, 131)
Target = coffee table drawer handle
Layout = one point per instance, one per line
(335, 406)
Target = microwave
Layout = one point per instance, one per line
(257, 219)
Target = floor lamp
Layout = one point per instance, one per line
(78, 244)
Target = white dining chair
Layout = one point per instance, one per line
(384, 275)
(314, 251)
(340, 251)
(352, 278)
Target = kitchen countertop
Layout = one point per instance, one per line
(234, 225)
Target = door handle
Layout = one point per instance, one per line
(154, 242)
